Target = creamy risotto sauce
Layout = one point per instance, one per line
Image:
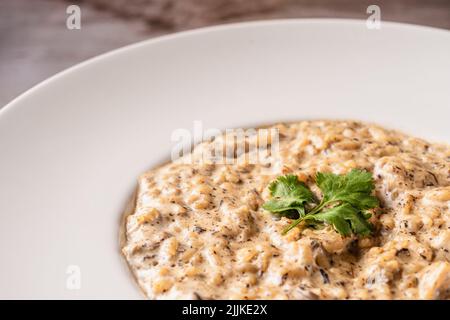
(198, 230)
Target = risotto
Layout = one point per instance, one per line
(198, 230)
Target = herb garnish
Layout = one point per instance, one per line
(344, 204)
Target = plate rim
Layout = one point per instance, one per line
(200, 31)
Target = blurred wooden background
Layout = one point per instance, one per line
(35, 43)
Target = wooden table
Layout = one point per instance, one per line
(35, 43)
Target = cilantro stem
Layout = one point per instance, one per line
(314, 210)
(318, 207)
(292, 225)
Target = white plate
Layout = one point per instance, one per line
(72, 147)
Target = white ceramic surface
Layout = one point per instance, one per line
(72, 147)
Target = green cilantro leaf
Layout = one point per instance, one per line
(355, 188)
(288, 194)
(344, 205)
(345, 219)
